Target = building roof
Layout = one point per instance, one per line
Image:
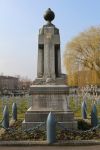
(7, 77)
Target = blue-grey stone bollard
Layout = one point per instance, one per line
(94, 117)
(84, 110)
(14, 111)
(5, 122)
(51, 128)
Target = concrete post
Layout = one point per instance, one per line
(94, 117)
(51, 128)
(5, 122)
(14, 111)
(84, 110)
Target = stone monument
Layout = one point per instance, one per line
(49, 89)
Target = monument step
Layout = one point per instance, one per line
(60, 125)
(42, 116)
(30, 125)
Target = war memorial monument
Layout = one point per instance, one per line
(49, 90)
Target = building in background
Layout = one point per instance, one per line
(14, 85)
(8, 84)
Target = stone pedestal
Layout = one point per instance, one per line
(49, 98)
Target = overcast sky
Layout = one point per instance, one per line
(20, 21)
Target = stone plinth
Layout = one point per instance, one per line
(49, 98)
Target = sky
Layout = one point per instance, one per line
(20, 21)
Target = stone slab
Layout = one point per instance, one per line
(49, 89)
(49, 102)
(61, 125)
(30, 125)
(32, 116)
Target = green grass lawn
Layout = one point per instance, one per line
(77, 109)
(22, 106)
(23, 103)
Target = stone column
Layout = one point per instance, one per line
(59, 62)
(52, 65)
(40, 66)
(47, 59)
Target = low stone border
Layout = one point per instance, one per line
(44, 143)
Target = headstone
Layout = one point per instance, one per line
(49, 89)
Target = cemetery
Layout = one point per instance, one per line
(85, 110)
(52, 111)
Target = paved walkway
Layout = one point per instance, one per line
(97, 147)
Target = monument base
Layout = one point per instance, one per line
(33, 119)
(46, 99)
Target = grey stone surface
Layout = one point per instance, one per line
(60, 145)
(42, 116)
(49, 89)
(49, 50)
